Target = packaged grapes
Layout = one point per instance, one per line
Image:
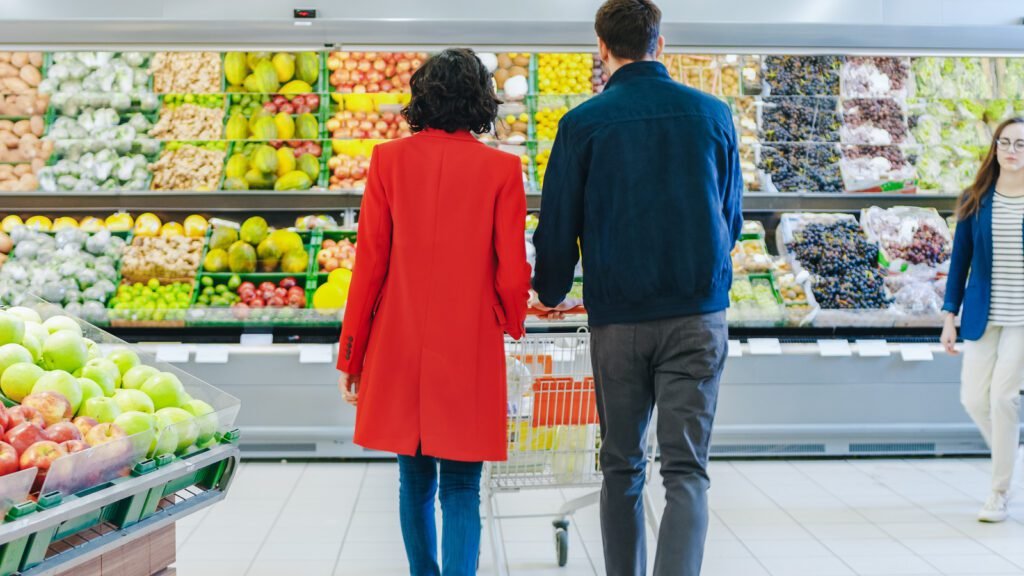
(799, 119)
(912, 237)
(802, 75)
(801, 168)
(874, 121)
(877, 169)
(875, 77)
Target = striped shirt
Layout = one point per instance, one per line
(1007, 261)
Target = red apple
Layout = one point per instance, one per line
(41, 455)
(313, 101)
(241, 310)
(270, 107)
(257, 303)
(84, 424)
(73, 446)
(296, 301)
(276, 302)
(286, 108)
(8, 459)
(62, 432)
(289, 282)
(266, 294)
(278, 100)
(281, 292)
(103, 433)
(21, 414)
(5, 418)
(267, 286)
(53, 407)
(247, 284)
(24, 435)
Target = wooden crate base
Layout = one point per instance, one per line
(147, 556)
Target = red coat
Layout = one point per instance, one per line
(441, 275)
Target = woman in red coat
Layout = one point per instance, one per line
(441, 275)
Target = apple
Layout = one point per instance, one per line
(24, 435)
(53, 407)
(33, 345)
(134, 401)
(165, 389)
(135, 377)
(8, 459)
(90, 389)
(41, 455)
(74, 446)
(165, 442)
(205, 417)
(26, 314)
(58, 323)
(12, 328)
(103, 433)
(124, 359)
(134, 422)
(62, 383)
(93, 351)
(247, 286)
(62, 432)
(21, 414)
(18, 380)
(37, 330)
(11, 354)
(5, 419)
(101, 375)
(102, 409)
(84, 424)
(289, 282)
(65, 350)
(182, 422)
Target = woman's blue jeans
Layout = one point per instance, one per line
(460, 514)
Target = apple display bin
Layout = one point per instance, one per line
(109, 488)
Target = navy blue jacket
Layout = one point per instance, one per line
(972, 253)
(646, 176)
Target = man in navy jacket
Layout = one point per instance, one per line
(645, 180)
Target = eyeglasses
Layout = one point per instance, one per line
(1004, 144)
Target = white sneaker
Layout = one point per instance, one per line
(995, 509)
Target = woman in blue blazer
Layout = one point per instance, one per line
(986, 279)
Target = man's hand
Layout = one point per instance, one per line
(556, 313)
(349, 387)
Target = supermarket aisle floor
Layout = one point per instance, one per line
(832, 518)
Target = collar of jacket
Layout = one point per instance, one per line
(457, 135)
(641, 69)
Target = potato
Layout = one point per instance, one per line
(6, 125)
(5, 56)
(22, 127)
(6, 171)
(16, 85)
(35, 59)
(19, 59)
(28, 183)
(22, 169)
(31, 75)
(37, 125)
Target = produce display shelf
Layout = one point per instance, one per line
(51, 539)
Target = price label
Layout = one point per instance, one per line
(916, 352)
(316, 354)
(172, 353)
(873, 348)
(256, 339)
(211, 354)
(765, 346)
(735, 349)
(834, 348)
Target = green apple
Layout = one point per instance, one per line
(134, 401)
(90, 389)
(165, 442)
(12, 328)
(165, 389)
(181, 421)
(18, 380)
(11, 354)
(33, 345)
(93, 349)
(61, 382)
(124, 359)
(65, 350)
(135, 377)
(104, 372)
(38, 331)
(135, 422)
(205, 417)
(26, 314)
(59, 323)
(103, 409)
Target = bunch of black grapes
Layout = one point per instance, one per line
(803, 75)
(844, 265)
(803, 167)
(800, 119)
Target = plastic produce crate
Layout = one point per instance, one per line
(318, 182)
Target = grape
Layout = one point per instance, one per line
(843, 265)
(803, 75)
(800, 119)
(802, 167)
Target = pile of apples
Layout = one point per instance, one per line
(334, 255)
(299, 147)
(301, 104)
(348, 172)
(285, 294)
(367, 72)
(347, 124)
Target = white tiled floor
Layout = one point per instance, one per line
(774, 518)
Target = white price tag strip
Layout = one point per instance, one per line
(735, 349)
(211, 354)
(172, 353)
(916, 352)
(257, 339)
(316, 354)
(873, 348)
(765, 346)
(833, 348)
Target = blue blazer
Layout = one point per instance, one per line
(972, 253)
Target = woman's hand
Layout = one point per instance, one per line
(349, 387)
(949, 334)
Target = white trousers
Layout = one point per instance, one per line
(991, 381)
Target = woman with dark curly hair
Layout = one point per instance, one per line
(440, 277)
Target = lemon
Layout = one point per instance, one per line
(172, 229)
(340, 277)
(92, 224)
(147, 224)
(195, 226)
(41, 223)
(120, 222)
(11, 222)
(64, 222)
(329, 297)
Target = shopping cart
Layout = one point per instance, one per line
(553, 436)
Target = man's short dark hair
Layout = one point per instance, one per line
(630, 28)
(452, 91)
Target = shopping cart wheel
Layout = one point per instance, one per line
(562, 542)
